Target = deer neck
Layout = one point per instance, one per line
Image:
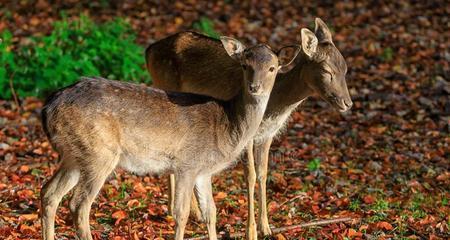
(246, 112)
(290, 89)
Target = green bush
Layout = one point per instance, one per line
(6, 60)
(206, 26)
(73, 49)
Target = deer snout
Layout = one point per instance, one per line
(344, 104)
(348, 103)
(254, 88)
(341, 104)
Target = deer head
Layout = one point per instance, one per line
(259, 63)
(325, 68)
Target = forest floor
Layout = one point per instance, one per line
(385, 163)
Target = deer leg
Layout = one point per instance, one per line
(51, 195)
(195, 210)
(251, 180)
(184, 186)
(81, 202)
(171, 193)
(203, 192)
(262, 160)
(91, 181)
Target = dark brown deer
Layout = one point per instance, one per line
(98, 124)
(183, 62)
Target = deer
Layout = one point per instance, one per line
(319, 69)
(98, 124)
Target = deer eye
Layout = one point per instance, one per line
(271, 69)
(330, 79)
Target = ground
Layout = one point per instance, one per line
(385, 163)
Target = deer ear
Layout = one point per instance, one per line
(322, 32)
(286, 56)
(309, 42)
(233, 47)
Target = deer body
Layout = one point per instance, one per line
(98, 124)
(320, 69)
(143, 132)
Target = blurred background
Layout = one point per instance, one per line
(385, 163)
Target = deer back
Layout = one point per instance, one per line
(192, 62)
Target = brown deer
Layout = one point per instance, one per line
(191, 62)
(98, 124)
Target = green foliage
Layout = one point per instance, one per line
(206, 26)
(379, 216)
(36, 172)
(124, 189)
(314, 165)
(444, 201)
(6, 60)
(388, 54)
(105, 220)
(380, 205)
(416, 206)
(355, 205)
(73, 49)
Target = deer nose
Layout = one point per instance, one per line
(254, 88)
(348, 103)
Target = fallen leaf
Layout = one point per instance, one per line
(27, 229)
(363, 228)
(25, 194)
(384, 225)
(24, 169)
(133, 203)
(220, 195)
(279, 236)
(119, 215)
(139, 187)
(28, 217)
(353, 233)
(315, 208)
(368, 199)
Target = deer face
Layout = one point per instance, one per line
(259, 63)
(326, 68)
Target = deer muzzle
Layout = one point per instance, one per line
(255, 88)
(340, 103)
